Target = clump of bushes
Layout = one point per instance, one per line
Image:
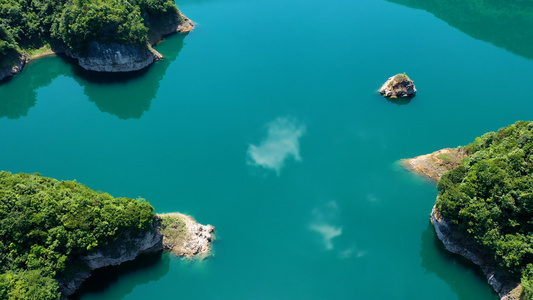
(490, 196)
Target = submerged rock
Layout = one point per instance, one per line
(398, 86)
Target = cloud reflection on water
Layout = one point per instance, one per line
(281, 143)
(322, 219)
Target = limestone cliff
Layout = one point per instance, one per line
(181, 234)
(505, 284)
(115, 57)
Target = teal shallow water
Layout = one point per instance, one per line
(265, 122)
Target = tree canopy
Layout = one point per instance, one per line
(490, 196)
(45, 223)
(26, 24)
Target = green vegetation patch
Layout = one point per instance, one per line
(490, 196)
(31, 24)
(46, 223)
(173, 229)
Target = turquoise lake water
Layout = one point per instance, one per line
(265, 122)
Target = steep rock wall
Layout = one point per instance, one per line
(505, 284)
(8, 71)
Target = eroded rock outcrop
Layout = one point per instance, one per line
(8, 71)
(181, 234)
(115, 57)
(398, 86)
(184, 236)
(456, 241)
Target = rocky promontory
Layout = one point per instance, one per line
(398, 86)
(456, 241)
(176, 232)
(434, 165)
(113, 57)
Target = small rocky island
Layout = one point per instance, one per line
(398, 86)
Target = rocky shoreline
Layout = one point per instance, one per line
(433, 166)
(14, 69)
(114, 57)
(505, 284)
(182, 235)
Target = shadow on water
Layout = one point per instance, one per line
(400, 101)
(506, 24)
(144, 269)
(458, 272)
(125, 95)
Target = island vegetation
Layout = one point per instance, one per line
(490, 198)
(45, 224)
(28, 27)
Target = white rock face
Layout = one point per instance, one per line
(457, 242)
(398, 86)
(116, 57)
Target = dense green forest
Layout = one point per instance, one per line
(31, 24)
(491, 197)
(46, 223)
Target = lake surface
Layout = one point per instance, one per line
(265, 122)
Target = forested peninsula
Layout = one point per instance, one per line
(54, 233)
(103, 35)
(484, 208)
